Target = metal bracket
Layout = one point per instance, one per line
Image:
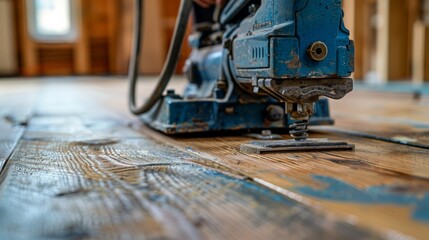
(322, 144)
(306, 90)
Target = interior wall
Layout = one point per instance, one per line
(8, 55)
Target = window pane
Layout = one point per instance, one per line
(53, 17)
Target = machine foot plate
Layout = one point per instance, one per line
(260, 147)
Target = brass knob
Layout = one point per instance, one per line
(318, 51)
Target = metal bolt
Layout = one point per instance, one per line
(266, 133)
(275, 113)
(318, 51)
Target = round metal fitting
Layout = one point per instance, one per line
(275, 113)
(318, 51)
(266, 133)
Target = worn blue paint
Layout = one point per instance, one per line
(337, 190)
(250, 188)
(421, 212)
(174, 116)
(273, 43)
(284, 30)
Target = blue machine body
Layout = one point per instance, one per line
(261, 39)
(281, 32)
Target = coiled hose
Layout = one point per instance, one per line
(170, 63)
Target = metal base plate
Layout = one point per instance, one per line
(322, 144)
(185, 116)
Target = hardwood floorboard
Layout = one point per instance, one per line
(120, 186)
(86, 168)
(8, 140)
(398, 116)
(375, 182)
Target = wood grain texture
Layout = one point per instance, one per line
(86, 168)
(401, 116)
(9, 136)
(122, 187)
(377, 181)
(15, 108)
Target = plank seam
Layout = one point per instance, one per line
(373, 137)
(14, 147)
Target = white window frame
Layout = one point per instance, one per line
(55, 38)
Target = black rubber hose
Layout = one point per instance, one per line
(170, 63)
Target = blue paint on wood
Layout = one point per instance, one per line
(421, 213)
(337, 190)
(250, 188)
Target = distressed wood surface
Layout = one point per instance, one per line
(16, 104)
(398, 116)
(9, 137)
(85, 168)
(371, 185)
(121, 186)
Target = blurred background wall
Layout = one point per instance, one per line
(8, 51)
(33, 41)
(391, 38)
(94, 38)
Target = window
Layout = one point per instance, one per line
(52, 20)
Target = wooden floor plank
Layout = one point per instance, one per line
(398, 116)
(380, 178)
(79, 155)
(142, 188)
(9, 136)
(16, 103)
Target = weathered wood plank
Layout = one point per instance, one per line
(381, 186)
(9, 136)
(142, 188)
(399, 116)
(15, 107)
(380, 178)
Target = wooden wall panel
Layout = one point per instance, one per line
(29, 64)
(105, 34)
(351, 19)
(159, 22)
(420, 55)
(82, 65)
(97, 22)
(393, 44)
(154, 38)
(421, 52)
(8, 59)
(55, 59)
(93, 52)
(383, 34)
(153, 41)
